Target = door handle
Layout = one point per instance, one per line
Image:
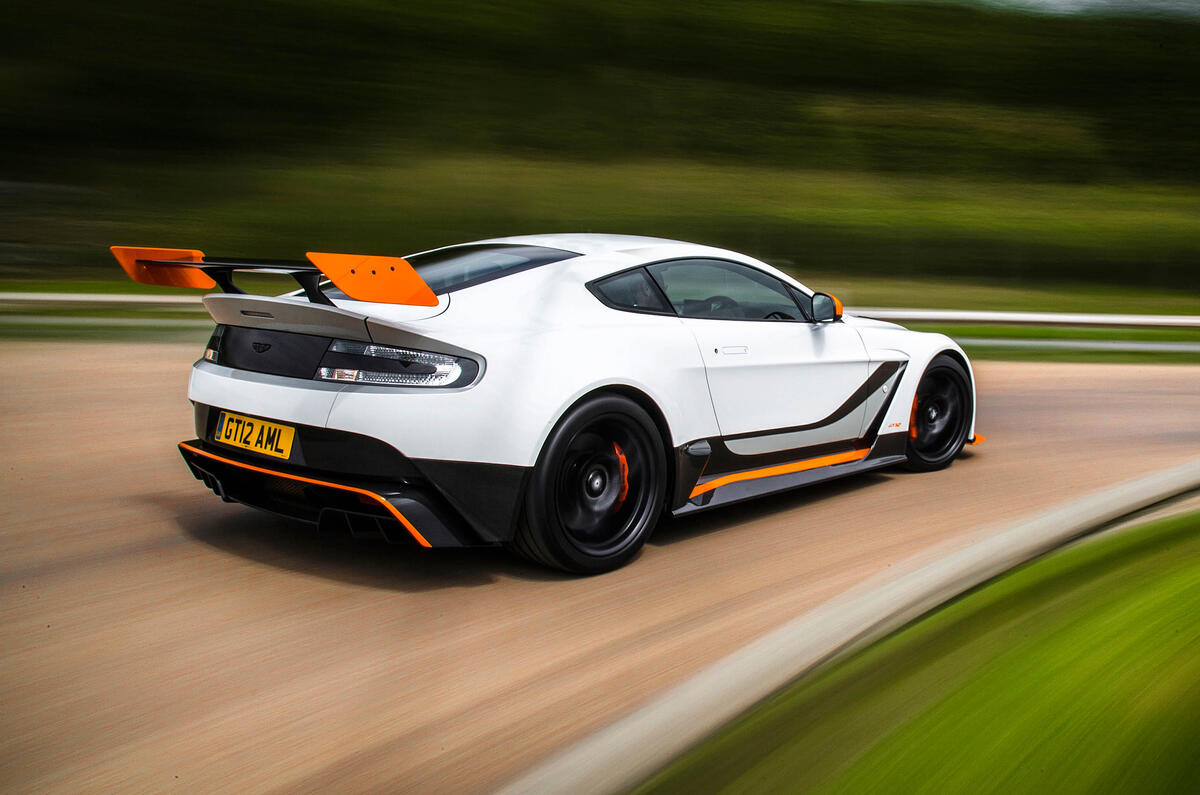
(735, 350)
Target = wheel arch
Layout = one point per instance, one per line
(542, 539)
(956, 353)
(647, 404)
(918, 349)
(950, 349)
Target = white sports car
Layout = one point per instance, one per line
(552, 393)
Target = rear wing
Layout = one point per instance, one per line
(387, 280)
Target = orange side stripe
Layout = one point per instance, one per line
(782, 469)
(391, 508)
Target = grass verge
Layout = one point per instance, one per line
(1076, 673)
(833, 229)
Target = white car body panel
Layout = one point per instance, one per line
(536, 368)
(776, 375)
(261, 394)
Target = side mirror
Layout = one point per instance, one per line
(826, 308)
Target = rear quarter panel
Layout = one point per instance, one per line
(547, 342)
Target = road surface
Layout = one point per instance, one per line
(152, 637)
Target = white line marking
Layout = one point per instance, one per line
(1025, 318)
(98, 298)
(102, 322)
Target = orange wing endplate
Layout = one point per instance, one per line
(163, 275)
(385, 280)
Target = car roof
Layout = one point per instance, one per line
(587, 243)
(602, 252)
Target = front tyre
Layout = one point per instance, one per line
(941, 415)
(597, 489)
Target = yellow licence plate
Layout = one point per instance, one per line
(248, 433)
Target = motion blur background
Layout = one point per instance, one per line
(1033, 154)
(1010, 143)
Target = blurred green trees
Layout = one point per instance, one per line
(171, 91)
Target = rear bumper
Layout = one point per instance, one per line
(399, 512)
(480, 499)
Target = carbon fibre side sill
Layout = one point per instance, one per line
(748, 490)
(888, 450)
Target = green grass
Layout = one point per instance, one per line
(977, 243)
(1028, 296)
(916, 240)
(897, 86)
(1077, 673)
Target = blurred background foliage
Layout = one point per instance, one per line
(829, 136)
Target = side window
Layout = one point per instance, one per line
(724, 290)
(632, 291)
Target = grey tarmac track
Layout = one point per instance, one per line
(155, 638)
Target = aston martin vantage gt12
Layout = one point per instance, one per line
(556, 394)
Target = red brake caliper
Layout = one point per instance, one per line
(624, 466)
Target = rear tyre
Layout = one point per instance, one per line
(597, 489)
(941, 415)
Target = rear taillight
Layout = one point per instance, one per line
(212, 351)
(352, 362)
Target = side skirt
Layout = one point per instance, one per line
(888, 450)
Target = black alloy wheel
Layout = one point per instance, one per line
(597, 489)
(941, 415)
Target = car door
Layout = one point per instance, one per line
(777, 381)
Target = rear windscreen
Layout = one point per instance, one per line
(454, 268)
